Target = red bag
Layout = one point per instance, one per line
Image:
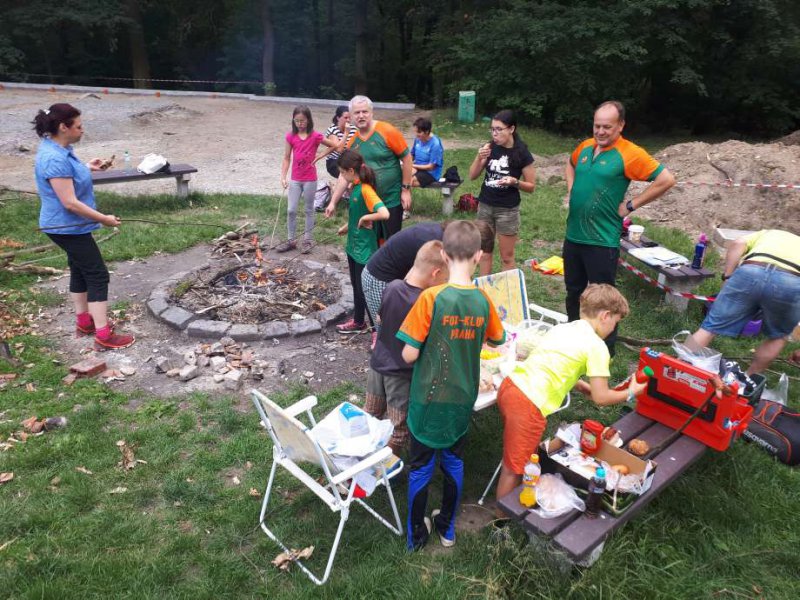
(467, 203)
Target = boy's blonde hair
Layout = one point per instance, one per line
(429, 257)
(598, 297)
(461, 240)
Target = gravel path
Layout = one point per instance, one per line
(237, 145)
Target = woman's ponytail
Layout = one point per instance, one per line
(46, 122)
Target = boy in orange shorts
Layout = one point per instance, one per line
(536, 387)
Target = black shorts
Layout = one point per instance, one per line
(332, 167)
(424, 178)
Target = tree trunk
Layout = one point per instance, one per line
(268, 54)
(140, 61)
(330, 54)
(318, 59)
(360, 22)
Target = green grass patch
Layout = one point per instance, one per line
(183, 529)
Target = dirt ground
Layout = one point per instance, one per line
(237, 145)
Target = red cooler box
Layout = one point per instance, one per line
(677, 389)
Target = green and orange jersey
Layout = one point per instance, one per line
(600, 184)
(449, 324)
(361, 243)
(382, 151)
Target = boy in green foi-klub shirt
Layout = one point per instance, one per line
(443, 333)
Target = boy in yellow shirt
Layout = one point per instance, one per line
(537, 387)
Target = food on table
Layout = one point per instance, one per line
(621, 469)
(638, 447)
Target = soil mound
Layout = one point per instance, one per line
(169, 111)
(696, 208)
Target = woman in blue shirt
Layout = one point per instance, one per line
(68, 215)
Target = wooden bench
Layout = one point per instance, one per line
(580, 539)
(680, 279)
(181, 173)
(446, 188)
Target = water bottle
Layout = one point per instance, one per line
(700, 251)
(126, 160)
(597, 487)
(527, 497)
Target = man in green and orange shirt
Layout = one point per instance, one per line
(385, 151)
(598, 174)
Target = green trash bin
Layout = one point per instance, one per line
(466, 107)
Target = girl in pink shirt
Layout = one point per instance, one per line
(301, 148)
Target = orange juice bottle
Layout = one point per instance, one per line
(527, 497)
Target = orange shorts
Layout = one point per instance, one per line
(523, 426)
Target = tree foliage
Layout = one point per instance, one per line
(704, 65)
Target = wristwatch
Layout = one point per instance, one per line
(629, 206)
(406, 186)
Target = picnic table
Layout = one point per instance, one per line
(581, 539)
(681, 279)
(181, 174)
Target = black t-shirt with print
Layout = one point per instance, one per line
(395, 258)
(501, 164)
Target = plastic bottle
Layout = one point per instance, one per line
(700, 251)
(597, 487)
(527, 497)
(126, 160)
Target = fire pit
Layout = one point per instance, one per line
(253, 300)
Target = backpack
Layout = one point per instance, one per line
(322, 196)
(467, 203)
(776, 430)
(451, 175)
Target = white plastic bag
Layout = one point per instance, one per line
(705, 358)
(555, 497)
(780, 392)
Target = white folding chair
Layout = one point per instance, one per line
(293, 446)
(545, 315)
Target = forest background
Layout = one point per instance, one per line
(700, 66)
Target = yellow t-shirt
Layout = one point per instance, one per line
(565, 353)
(776, 242)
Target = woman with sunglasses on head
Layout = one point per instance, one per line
(509, 168)
(68, 215)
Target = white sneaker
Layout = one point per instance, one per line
(447, 543)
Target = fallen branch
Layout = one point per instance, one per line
(640, 343)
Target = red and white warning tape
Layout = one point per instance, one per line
(731, 184)
(667, 289)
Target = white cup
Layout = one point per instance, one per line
(635, 233)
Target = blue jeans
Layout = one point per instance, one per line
(752, 288)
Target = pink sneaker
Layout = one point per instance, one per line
(351, 327)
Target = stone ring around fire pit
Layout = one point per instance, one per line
(165, 302)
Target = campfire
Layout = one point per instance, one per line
(258, 291)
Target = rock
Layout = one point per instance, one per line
(308, 374)
(203, 360)
(190, 358)
(227, 341)
(219, 377)
(189, 372)
(216, 349)
(305, 326)
(206, 328)
(257, 372)
(233, 380)
(218, 362)
(163, 364)
(275, 329)
(157, 305)
(173, 372)
(89, 367)
(127, 370)
(177, 317)
(243, 332)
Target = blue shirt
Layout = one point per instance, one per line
(53, 160)
(430, 152)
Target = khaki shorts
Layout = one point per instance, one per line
(504, 220)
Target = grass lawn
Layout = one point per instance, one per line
(182, 529)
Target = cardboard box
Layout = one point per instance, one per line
(553, 460)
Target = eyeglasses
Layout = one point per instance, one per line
(300, 122)
(498, 129)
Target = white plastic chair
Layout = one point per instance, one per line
(293, 446)
(546, 316)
